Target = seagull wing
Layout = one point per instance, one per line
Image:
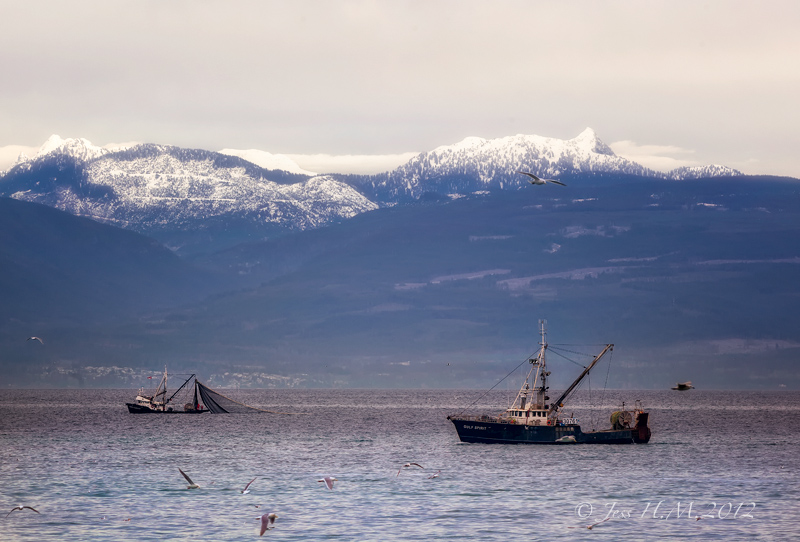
(417, 464)
(264, 524)
(248, 484)
(22, 508)
(555, 182)
(531, 175)
(329, 482)
(187, 477)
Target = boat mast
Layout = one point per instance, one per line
(533, 394)
(541, 390)
(161, 390)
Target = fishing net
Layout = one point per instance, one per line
(219, 404)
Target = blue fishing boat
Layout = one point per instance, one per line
(534, 419)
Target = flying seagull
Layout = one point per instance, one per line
(328, 481)
(266, 521)
(538, 180)
(408, 465)
(434, 475)
(22, 508)
(192, 485)
(35, 339)
(683, 386)
(245, 491)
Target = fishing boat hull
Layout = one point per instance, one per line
(490, 431)
(133, 408)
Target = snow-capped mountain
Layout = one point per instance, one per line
(481, 164)
(79, 149)
(187, 186)
(164, 190)
(155, 188)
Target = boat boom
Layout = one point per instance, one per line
(559, 402)
(179, 389)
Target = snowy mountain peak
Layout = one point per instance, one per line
(475, 164)
(268, 160)
(80, 148)
(53, 142)
(466, 144)
(156, 188)
(493, 163)
(589, 142)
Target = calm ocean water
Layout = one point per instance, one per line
(96, 472)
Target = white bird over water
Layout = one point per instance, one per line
(192, 485)
(23, 508)
(435, 474)
(266, 521)
(245, 491)
(328, 481)
(36, 339)
(539, 180)
(408, 465)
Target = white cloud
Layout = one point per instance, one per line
(10, 153)
(658, 157)
(126, 145)
(365, 164)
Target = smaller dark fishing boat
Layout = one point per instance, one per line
(534, 419)
(159, 403)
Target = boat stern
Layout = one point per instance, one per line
(641, 432)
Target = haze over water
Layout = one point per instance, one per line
(96, 472)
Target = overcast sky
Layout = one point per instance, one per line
(664, 83)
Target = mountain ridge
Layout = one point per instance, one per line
(162, 190)
(475, 164)
(198, 200)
